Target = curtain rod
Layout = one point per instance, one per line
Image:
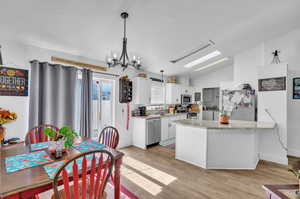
(77, 63)
(80, 68)
(95, 68)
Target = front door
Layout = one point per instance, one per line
(103, 104)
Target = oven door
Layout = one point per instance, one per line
(186, 99)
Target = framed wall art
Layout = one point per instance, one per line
(296, 88)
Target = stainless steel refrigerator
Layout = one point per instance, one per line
(245, 111)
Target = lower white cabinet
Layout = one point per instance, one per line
(168, 129)
(139, 132)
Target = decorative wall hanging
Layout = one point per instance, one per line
(296, 88)
(13, 82)
(276, 59)
(1, 62)
(272, 84)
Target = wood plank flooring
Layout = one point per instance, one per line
(156, 174)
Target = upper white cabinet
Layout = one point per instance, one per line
(157, 93)
(141, 91)
(187, 90)
(173, 93)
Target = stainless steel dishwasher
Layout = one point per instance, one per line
(153, 131)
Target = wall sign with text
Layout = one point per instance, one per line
(13, 82)
(272, 84)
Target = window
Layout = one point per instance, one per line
(157, 93)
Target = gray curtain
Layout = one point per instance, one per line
(86, 103)
(52, 94)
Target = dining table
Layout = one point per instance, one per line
(29, 182)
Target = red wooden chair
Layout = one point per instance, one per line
(109, 136)
(89, 180)
(36, 134)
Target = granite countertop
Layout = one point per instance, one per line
(233, 124)
(159, 116)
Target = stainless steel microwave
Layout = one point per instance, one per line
(186, 99)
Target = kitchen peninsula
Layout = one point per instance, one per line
(211, 145)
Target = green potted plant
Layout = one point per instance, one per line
(66, 134)
(297, 174)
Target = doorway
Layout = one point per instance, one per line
(103, 104)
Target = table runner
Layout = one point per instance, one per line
(88, 146)
(39, 146)
(23, 161)
(53, 167)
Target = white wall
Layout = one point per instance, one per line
(14, 55)
(18, 55)
(289, 46)
(246, 65)
(213, 78)
(246, 69)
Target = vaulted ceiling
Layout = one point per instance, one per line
(158, 31)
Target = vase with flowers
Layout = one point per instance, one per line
(6, 116)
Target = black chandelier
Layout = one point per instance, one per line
(124, 61)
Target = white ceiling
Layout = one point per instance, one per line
(158, 30)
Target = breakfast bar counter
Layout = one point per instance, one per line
(211, 145)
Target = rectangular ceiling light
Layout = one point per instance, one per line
(213, 63)
(203, 59)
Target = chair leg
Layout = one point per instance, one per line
(36, 197)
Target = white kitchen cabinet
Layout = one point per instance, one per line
(139, 132)
(141, 91)
(173, 93)
(164, 130)
(187, 90)
(168, 129)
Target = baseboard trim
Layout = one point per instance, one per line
(272, 158)
(294, 152)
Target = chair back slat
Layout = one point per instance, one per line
(109, 136)
(92, 177)
(102, 178)
(36, 134)
(84, 178)
(76, 180)
(97, 168)
(66, 184)
(98, 178)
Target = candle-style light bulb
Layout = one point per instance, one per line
(115, 55)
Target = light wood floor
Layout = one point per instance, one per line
(156, 174)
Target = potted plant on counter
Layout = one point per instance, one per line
(224, 117)
(5, 117)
